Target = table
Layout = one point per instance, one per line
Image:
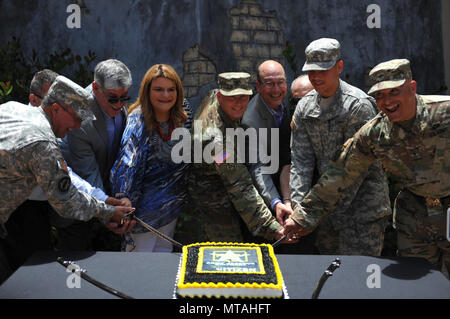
(152, 276)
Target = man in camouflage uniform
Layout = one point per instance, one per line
(411, 138)
(29, 156)
(221, 188)
(324, 119)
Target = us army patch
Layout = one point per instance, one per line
(221, 157)
(64, 184)
(292, 123)
(348, 142)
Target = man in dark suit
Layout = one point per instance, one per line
(267, 110)
(92, 150)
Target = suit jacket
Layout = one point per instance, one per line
(258, 116)
(86, 149)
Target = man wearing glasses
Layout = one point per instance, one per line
(266, 110)
(92, 150)
(31, 157)
(323, 121)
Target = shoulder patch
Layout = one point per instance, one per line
(348, 142)
(222, 157)
(292, 123)
(64, 184)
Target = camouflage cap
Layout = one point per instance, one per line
(389, 74)
(234, 83)
(69, 94)
(322, 55)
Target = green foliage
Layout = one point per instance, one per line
(17, 71)
(290, 57)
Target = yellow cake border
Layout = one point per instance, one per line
(278, 286)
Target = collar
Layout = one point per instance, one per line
(274, 113)
(420, 125)
(314, 110)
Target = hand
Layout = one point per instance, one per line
(283, 212)
(280, 233)
(118, 202)
(294, 230)
(125, 202)
(119, 214)
(121, 229)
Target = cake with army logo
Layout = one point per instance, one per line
(229, 270)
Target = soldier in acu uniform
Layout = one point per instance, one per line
(411, 138)
(324, 120)
(29, 156)
(221, 188)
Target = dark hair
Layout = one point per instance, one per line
(40, 78)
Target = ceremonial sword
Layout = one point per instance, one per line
(132, 215)
(82, 274)
(275, 244)
(328, 273)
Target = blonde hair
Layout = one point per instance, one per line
(177, 112)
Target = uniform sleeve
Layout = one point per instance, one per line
(247, 201)
(303, 161)
(46, 162)
(323, 198)
(127, 173)
(361, 113)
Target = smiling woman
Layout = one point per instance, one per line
(144, 171)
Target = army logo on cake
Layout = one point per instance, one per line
(229, 270)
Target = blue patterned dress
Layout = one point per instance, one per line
(145, 173)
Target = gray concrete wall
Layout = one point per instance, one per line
(203, 37)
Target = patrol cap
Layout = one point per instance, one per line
(69, 94)
(234, 83)
(322, 55)
(389, 74)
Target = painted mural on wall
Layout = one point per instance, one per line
(202, 38)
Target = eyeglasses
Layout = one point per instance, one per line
(281, 84)
(115, 99)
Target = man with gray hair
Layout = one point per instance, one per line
(30, 156)
(323, 121)
(92, 150)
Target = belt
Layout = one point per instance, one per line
(437, 202)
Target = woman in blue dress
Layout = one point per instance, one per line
(144, 171)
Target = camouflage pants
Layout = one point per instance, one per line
(421, 230)
(356, 239)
